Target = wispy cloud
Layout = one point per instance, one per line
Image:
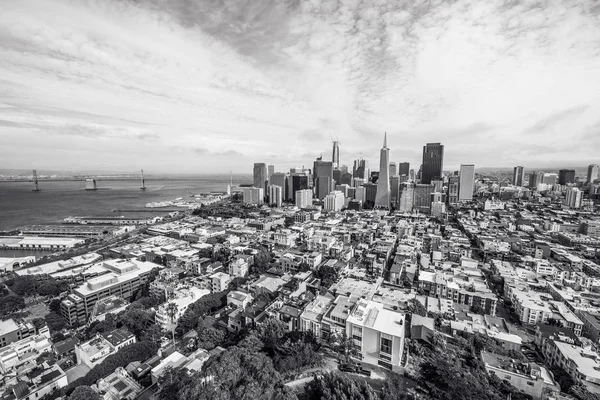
(242, 81)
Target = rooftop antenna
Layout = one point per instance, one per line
(143, 181)
(35, 182)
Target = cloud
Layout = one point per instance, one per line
(551, 121)
(245, 81)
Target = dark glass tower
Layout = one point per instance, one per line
(433, 162)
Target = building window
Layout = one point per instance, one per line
(386, 344)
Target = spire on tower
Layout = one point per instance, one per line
(385, 140)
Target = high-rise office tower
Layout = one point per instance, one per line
(518, 176)
(270, 170)
(253, 195)
(344, 169)
(383, 184)
(433, 162)
(394, 190)
(411, 175)
(347, 179)
(335, 157)
(334, 201)
(303, 198)
(260, 176)
(393, 169)
(573, 197)
(550, 179)
(360, 194)
(275, 195)
(422, 197)
(467, 180)
(360, 169)
(566, 176)
(403, 168)
(405, 203)
(453, 189)
(592, 173)
(370, 193)
(343, 189)
(535, 179)
(337, 176)
(323, 178)
(298, 181)
(280, 179)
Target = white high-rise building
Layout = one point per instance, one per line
(304, 198)
(393, 169)
(466, 182)
(593, 173)
(254, 195)
(382, 198)
(334, 201)
(573, 197)
(275, 195)
(360, 194)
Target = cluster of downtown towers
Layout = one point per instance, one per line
(393, 186)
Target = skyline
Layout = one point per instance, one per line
(173, 88)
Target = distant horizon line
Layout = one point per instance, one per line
(5, 171)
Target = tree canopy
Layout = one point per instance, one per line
(84, 393)
(335, 386)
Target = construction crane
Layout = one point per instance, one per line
(35, 182)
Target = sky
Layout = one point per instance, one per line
(205, 86)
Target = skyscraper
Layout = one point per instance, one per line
(303, 198)
(592, 173)
(518, 176)
(422, 197)
(453, 189)
(334, 201)
(298, 181)
(335, 156)
(323, 178)
(260, 176)
(393, 169)
(270, 170)
(382, 199)
(403, 168)
(275, 195)
(405, 203)
(360, 169)
(280, 179)
(573, 197)
(465, 186)
(566, 176)
(535, 179)
(433, 162)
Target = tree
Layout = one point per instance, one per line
(55, 322)
(343, 345)
(333, 386)
(84, 393)
(54, 305)
(261, 261)
(209, 338)
(171, 311)
(327, 275)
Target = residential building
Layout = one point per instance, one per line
(94, 351)
(334, 201)
(530, 378)
(467, 181)
(377, 333)
(304, 198)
